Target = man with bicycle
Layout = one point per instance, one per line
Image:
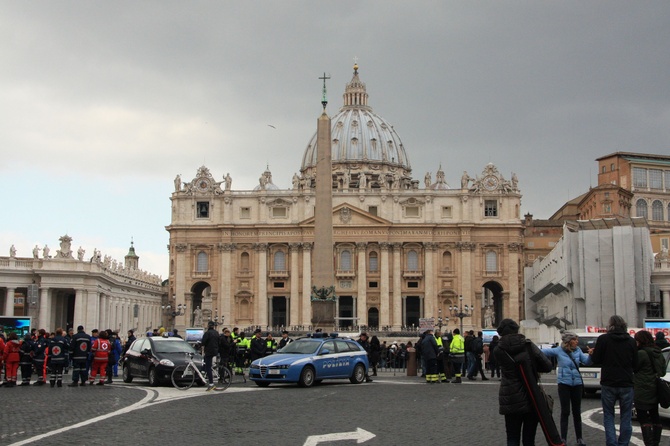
(210, 346)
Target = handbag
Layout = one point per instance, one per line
(548, 398)
(662, 386)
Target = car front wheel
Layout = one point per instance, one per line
(153, 378)
(127, 377)
(359, 374)
(307, 377)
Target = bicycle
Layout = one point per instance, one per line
(183, 376)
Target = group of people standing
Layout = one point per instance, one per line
(629, 368)
(50, 355)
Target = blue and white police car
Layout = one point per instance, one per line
(308, 361)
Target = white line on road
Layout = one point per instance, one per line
(586, 419)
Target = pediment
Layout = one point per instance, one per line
(347, 215)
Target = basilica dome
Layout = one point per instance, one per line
(361, 139)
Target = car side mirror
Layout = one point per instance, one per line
(146, 352)
(325, 351)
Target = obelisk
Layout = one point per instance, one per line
(323, 275)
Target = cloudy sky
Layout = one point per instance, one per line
(103, 103)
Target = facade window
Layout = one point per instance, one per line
(655, 179)
(639, 177)
(531, 244)
(412, 211)
(490, 208)
(607, 208)
(244, 261)
(345, 260)
(654, 310)
(279, 212)
(446, 211)
(202, 263)
(373, 285)
(665, 243)
(641, 208)
(603, 169)
(372, 210)
(446, 261)
(612, 167)
(657, 210)
(666, 175)
(491, 261)
(412, 261)
(202, 209)
(279, 261)
(245, 212)
(668, 213)
(373, 262)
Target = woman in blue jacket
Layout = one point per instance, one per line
(570, 385)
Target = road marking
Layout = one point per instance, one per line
(586, 419)
(360, 435)
(152, 397)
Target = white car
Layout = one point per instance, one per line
(590, 374)
(665, 413)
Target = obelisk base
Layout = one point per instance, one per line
(323, 314)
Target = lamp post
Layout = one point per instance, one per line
(174, 311)
(216, 318)
(439, 319)
(460, 311)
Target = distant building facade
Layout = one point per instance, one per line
(65, 289)
(404, 248)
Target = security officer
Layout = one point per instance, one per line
(457, 349)
(285, 340)
(79, 348)
(270, 345)
(243, 345)
(58, 348)
(442, 377)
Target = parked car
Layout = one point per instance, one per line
(155, 357)
(590, 374)
(665, 413)
(308, 361)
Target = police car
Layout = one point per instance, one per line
(308, 361)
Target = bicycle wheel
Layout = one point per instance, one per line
(225, 378)
(183, 377)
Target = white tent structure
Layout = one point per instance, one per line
(598, 268)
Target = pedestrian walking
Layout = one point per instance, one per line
(521, 418)
(210, 346)
(375, 354)
(616, 354)
(570, 385)
(363, 341)
(650, 365)
(493, 364)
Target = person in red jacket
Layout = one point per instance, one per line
(100, 351)
(11, 356)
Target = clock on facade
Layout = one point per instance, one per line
(490, 182)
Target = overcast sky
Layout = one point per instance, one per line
(103, 103)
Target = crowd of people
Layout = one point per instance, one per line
(49, 356)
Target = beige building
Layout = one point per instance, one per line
(63, 288)
(404, 248)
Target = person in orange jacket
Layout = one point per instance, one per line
(11, 357)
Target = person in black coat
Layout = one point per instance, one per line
(257, 349)
(210, 346)
(515, 404)
(430, 351)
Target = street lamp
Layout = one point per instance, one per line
(216, 318)
(439, 318)
(174, 312)
(460, 311)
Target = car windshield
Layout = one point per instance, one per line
(173, 347)
(302, 347)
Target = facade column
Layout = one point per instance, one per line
(261, 317)
(666, 304)
(225, 274)
(104, 311)
(397, 287)
(294, 307)
(467, 276)
(306, 301)
(79, 308)
(44, 319)
(430, 304)
(9, 302)
(384, 298)
(361, 300)
(514, 304)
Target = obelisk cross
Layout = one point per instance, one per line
(324, 101)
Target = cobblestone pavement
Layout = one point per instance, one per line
(393, 410)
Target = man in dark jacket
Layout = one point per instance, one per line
(79, 348)
(515, 403)
(257, 349)
(210, 346)
(616, 353)
(363, 341)
(661, 342)
(430, 350)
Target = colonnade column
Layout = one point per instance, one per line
(513, 303)
(9, 302)
(45, 309)
(262, 271)
(79, 308)
(361, 300)
(294, 300)
(666, 304)
(306, 301)
(397, 286)
(384, 298)
(225, 301)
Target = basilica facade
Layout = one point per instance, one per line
(403, 248)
